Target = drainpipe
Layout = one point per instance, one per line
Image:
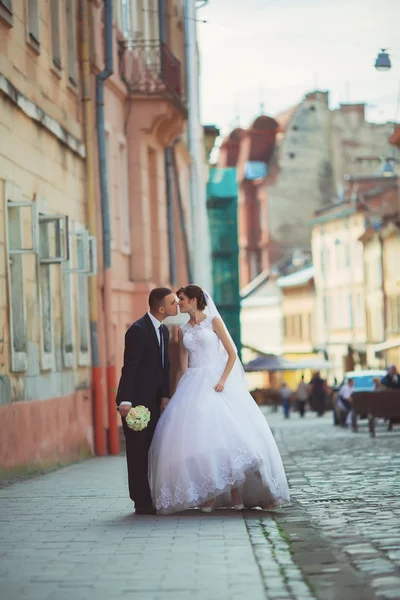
(97, 379)
(162, 27)
(170, 216)
(113, 430)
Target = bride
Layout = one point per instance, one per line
(212, 445)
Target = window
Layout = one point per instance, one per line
(46, 312)
(83, 320)
(124, 17)
(17, 247)
(83, 263)
(67, 316)
(33, 22)
(300, 321)
(327, 259)
(40, 240)
(285, 326)
(6, 11)
(53, 249)
(393, 313)
(153, 18)
(325, 310)
(55, 32)
(293, 326)
(71, 41)
(350, 303)
(124, 199)
(322, 263)
(310, 327)
(347, 255)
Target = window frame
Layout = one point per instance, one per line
(123, 194)
(82, 296)
(56, 46)
(13, 200)
(7, 12)
(70, 15)
(33, 24)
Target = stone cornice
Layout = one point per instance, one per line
(34, 112)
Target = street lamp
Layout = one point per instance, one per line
(382, 62)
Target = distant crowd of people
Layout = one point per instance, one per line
(315, 394)
(390, 381)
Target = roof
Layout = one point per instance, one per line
(254, 284)
(271, 362)
(266, 294)
(298, 278)
(325, 216)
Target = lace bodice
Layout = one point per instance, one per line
(202, 344)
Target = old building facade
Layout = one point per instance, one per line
(45, 247)
(94, 210)
(299, 323)
(338, 258)
(305, 154)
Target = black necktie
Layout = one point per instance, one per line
(161, 344)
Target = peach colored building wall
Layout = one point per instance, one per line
(139, 127)
(45, 398)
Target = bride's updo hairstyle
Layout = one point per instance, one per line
(194, 291)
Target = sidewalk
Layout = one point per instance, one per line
(71, 534)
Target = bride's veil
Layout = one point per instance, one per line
(214, 312)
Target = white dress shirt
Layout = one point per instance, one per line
(156, 325)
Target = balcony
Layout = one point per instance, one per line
(149, 68)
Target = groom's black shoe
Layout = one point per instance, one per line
(145, 510)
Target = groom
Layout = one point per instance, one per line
(145, 380)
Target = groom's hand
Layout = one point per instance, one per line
(164, 402)
(124, 408)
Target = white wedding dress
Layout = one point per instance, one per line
(208, 442)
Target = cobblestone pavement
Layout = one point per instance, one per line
(71, 534)
(345, 489)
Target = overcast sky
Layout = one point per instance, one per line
(274, 51)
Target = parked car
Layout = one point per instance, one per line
(363, 382)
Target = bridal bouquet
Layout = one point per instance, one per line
(138, 418)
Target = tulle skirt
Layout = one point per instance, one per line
(208, 442)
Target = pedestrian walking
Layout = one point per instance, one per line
(318, 391)
(301, 396)
(286, 394)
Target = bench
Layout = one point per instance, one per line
(380, 404)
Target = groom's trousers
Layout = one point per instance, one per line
(137, 450)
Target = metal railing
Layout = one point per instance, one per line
(150, 68)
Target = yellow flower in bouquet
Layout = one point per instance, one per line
(138, 418)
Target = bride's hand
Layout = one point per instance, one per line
(220, 386)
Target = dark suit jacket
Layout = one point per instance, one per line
(388, 381)
(143, 378)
